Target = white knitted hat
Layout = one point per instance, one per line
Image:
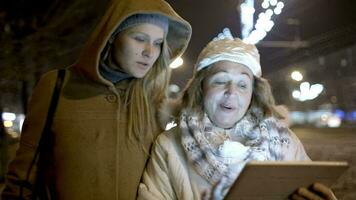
(226, 47)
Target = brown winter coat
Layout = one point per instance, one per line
(93, 158)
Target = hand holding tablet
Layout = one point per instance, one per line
(278, 180)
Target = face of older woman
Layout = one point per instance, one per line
(227, 93)
(136, 49)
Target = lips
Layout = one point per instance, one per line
(143, 65)
(227, 107)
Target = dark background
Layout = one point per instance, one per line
(40, 35)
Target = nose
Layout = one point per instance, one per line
(230, 89)
(147, 51)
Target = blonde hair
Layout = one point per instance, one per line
(262, 97)
(143, 96)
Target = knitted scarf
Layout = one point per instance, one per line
(216, 152)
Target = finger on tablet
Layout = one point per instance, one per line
(304, 192)
(297, 197)
(324, 190)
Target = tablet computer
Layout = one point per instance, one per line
(276, 180)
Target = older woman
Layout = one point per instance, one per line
(228, 117)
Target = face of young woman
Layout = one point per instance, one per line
(227, 93)
(136, 49)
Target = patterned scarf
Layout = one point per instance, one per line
(215, 153)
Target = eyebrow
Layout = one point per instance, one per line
(225, 71)
(145, 34)
(247, 74)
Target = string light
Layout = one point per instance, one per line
(264, 23)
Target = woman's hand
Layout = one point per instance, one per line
(317, 191)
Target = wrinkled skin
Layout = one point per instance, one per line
(227, 93)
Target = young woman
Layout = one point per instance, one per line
(228, 117)
(105, 120)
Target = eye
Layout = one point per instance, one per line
(139, 38)
(219, 82)
(242, 85)
(158, 43)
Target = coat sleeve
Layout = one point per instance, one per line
(20, 171)
(296, 150)
(156, 183)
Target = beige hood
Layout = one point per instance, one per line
(179, 32)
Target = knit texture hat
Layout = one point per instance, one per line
(226, 47)
(136, 19)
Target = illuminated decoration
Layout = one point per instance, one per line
(297, 76)
(351, 116)
(7, 116)
(340, 113)
(21, 119)
(247, 11)
(176, 63)
(173, 88)
(264, 23)
(170, 125)
(307, 91)
(8, 124)
(334, 121)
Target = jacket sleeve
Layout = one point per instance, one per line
(20, 171)
(296, 149)
(155, 183)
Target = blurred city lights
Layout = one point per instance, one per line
(174, 88)
(176, 63)
(247, 11)
(264, 23)
(280, 5)
(297, 76)
(21, 119)
(340, 113)
(170, 125)
(273, 2)
(265, 4)
(307, 91)
(296, 94)
(7, 116)
(269, 13)
(8, 124)
(334, 121)
(277, 11)
(351, 116)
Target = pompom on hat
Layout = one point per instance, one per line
(226, 47)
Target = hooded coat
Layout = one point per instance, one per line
(92, 156)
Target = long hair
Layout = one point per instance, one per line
(144, 95)
(262, 97)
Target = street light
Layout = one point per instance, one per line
(297, 76)
(176, 63)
